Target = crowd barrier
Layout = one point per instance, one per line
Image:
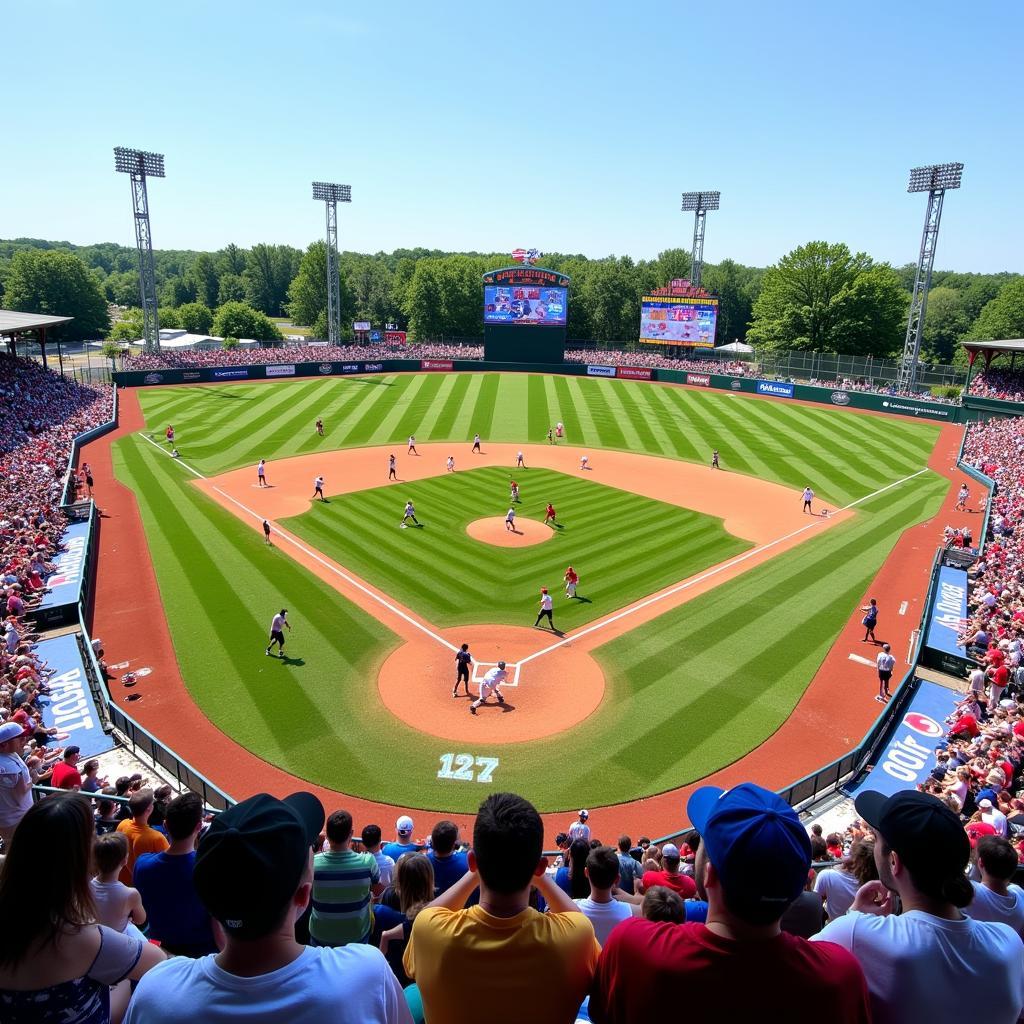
(69, 586)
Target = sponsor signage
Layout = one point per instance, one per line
(840, 398)
(634, 372)
(701, 379)
(325, 368)
(153, 378)
(436, 364)
(948, 612)
(65, 583)
(373, 367)
(394, 337)
(281, 370)
(349, 367)
(361, 325)
(600, 371)
(375, 336)
(917, 410)
(775, 388)
(235, 374)
(909, 753)
(736, 385)
(69, 705)
(188, 375)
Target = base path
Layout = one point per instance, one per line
(831, 717)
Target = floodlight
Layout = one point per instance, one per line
(330, 193)
(935, 176)
(138, 161)
(701, 201)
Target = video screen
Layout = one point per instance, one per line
(690, 323)
(525, 304)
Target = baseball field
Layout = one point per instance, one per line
(707, 599)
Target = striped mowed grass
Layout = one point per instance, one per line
(687, 693)
(626, 546)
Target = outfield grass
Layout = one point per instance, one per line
(689, 692)
(626, 545)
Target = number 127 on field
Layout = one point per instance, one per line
(463, 767)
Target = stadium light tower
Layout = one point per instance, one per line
(934, 180)
(141, 165)
(331, 195)
(700, 203)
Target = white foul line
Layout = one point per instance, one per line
(318, 558)
(711, 572)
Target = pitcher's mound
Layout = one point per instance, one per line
(492, 531)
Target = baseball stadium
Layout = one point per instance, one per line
(480, 633)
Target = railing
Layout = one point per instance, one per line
(76, 444)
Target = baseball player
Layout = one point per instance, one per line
(277, 628)
(491, 684)
(545, 608)
(412, 445)
(519, 460)
(266, 530)
(584, 462)
(463, 659)
(571, 579)
(961, 498)
(808, 498)
(714, 460)
(551, 439)
(579, 829)
(884, 663)
(392, 474)
(320, 427)
(410, 513)
(549, 514)
(261, 473)
(450, 464)
(559, 430)
(510, 520)
(513, 490)
(476, 444)
(170, 434)
(318, 489)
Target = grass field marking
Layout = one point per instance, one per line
(316, 557)
(513, 679)
(464, 767)
(687, 584)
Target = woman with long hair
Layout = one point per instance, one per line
(838, 886)
(56, 963)
(414, 884)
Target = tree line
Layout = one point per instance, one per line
(819, 297)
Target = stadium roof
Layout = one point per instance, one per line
(1007, 345)
(13, 322)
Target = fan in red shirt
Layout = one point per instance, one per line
(670, 878)
(751, 865)
(66, 775)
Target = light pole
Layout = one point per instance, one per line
(933, 179)
(142, 165)
(330, 195)
(700, 203)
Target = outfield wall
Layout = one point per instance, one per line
(779, 390)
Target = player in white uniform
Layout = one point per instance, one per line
(277, 628)
(519, 460)
(491, 684)
(261, 472)
(318, 489)
(410, 513)
(808, 498)
(584, 462)
(450, 464)
(510, 520)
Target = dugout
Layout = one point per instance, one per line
(525, 315)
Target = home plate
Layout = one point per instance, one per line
(863, 661)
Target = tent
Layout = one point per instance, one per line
(738, 347)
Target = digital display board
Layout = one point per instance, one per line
(525, 304)
(678, 320)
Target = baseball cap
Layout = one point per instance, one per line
(755, 840)
(404, 825)
(671, 851)
(9, 730)
(71, 751)
(925, 833)
(251, 859)
(985, 805)
(584, 814)
(501, 664)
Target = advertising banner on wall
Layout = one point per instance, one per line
(281, 370)
(948, 612)
(775, 388)
(65, 584)
(600, 371)
(634, 373)
(437, 364)
(700, 379)
(233, 373)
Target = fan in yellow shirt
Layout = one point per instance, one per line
(502, 960)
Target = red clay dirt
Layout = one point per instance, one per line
(524, 533)
(835, 711)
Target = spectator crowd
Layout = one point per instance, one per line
(1006, 385)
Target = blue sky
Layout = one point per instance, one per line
(571, 127)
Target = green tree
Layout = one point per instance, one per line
(58, 283)
(195, 317)
(730, 282)
(1003, 317)
(168, 316)
(873, 314)
(128, 328)
(111, 350)
(269, 270)
(237, 320)
(122, 288)
(307, 293)
(806, 301)
(230, 260)
(204, 280)
(946, 322)
(176, 291)
(232, 289)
